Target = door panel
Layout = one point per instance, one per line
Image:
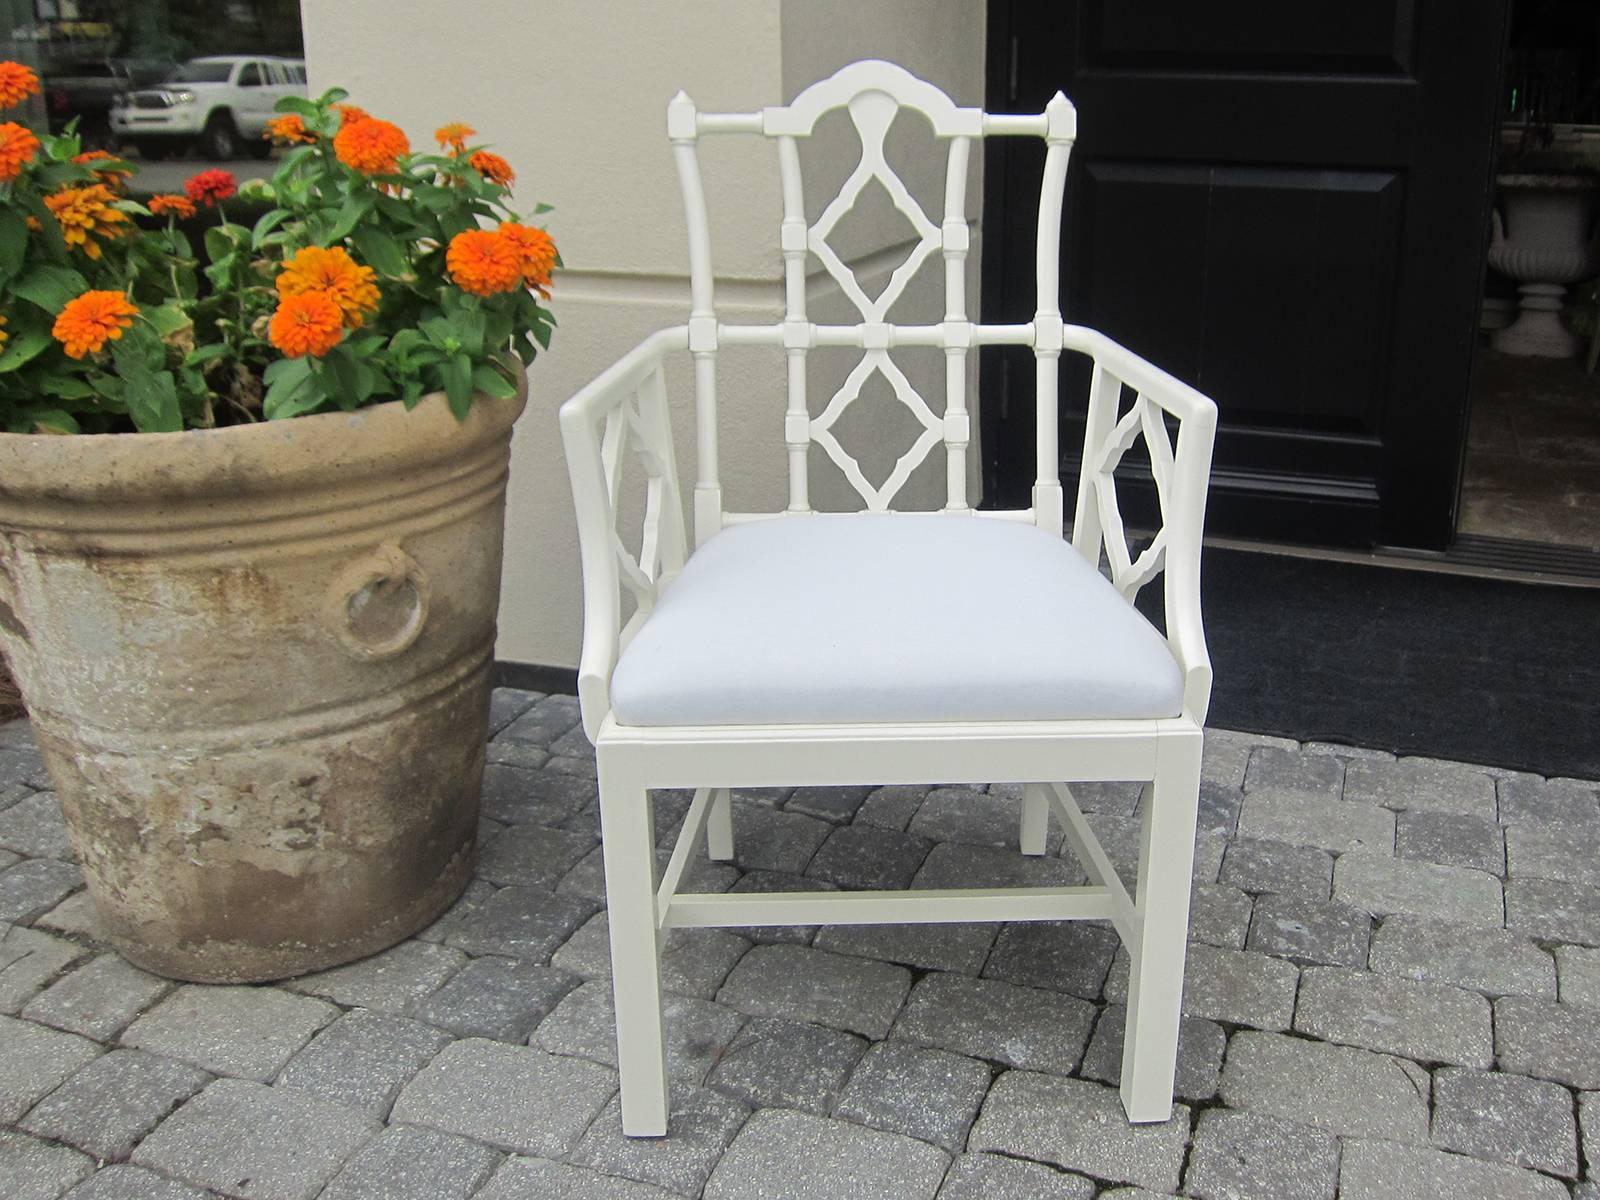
(1283, 204)
(1262, 35)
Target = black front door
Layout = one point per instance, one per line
(1283, 203)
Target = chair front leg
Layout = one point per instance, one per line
(1155, 977)
(1035, 818)
(627, 828)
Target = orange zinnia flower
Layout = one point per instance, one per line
(289, 129)
(453, 135)
(114, 177)
(87, 323)
(17, 83)
(173, 206)
(4, 336)
(371, 146)
(17, 146)
(336, 275)
(537, 251)
(86, 213)
(210, 186)
(349, 114)
(309, 323)
(493, 168)
(484, 262)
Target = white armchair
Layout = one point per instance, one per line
(740, 666)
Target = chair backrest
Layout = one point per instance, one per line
(873, 93)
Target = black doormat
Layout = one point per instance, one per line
(1482, 670)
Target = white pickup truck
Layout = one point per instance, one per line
(221, 103)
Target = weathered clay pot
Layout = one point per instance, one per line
(257, 660)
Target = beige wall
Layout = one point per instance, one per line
(574, 93)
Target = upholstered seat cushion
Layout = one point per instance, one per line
(877, 617)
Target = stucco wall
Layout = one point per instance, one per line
(574, 93)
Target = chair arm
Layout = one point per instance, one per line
(624, 410)
(1182, 474)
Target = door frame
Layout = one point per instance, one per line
(1413, 499)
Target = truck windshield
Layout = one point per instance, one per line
(201, 72)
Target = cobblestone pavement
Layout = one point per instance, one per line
(1393, 991)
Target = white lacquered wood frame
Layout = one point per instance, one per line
(624, 411)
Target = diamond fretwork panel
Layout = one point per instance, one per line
(872, 113)
(877, 499)
(1144, 420)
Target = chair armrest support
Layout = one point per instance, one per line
(623, 411)
(1181, 473)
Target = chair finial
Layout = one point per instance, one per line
(682, 118)
(1062, 118)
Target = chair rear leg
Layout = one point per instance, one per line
(1035, 818)
(629, 846)
(1155, 978)
(719, 827)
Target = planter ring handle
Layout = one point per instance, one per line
(378, 604)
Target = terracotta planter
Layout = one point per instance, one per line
(257, 660)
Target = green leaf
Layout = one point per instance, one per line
(178, 243)
(151, 395)
(52, 420)
(380, 252)
(458, 384)
(451, 224)
(291, 389)
(350, 384)
(49, 227)
(351, 213)
(468, 329)
(405, 341)
(223, 240)
(63, 387)
(436, 199)
(50, 286)
(296, 104)
(289, 162)
(439, 331)
(218, 244)
(110, 387)
(492, 383)
(269, 221)
(13, 240)
(395, 208)
(279, 367)
(168, 319)
(205, 354)
(153, 403)
(24, 348)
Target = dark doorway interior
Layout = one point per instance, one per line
(1533, 459)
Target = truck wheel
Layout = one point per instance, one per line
(220, 139)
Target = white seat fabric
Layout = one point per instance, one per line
(856, 618)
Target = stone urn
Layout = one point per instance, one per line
(1544, 242)
(258, 662)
